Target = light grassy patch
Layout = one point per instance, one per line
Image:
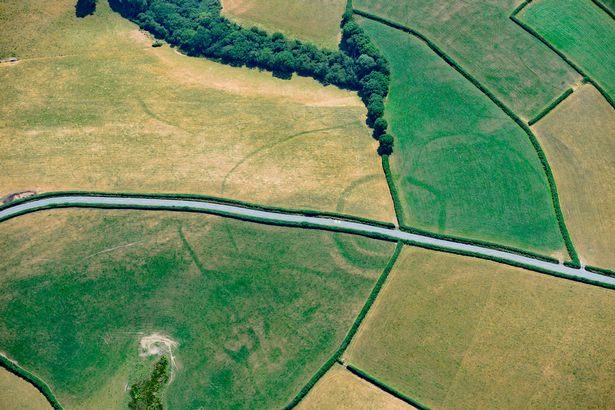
(581, 31)
(316, 21)
(578, 138)
(339, 389)
(458, 332)
(254, 309)
(91, 106)
(479, 35)
(16, 393)
(462, 166)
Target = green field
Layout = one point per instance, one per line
(581, 31)
(255, 310)
(508, 61)
(316, 21)
(461, 165)
(457, 332)
(92, 106)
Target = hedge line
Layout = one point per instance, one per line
(600, 271)
(40, 385)
(224, 201)
(399, 212)
(541, 155)
(351, 333)
(572, 265)
(510, 263)
(361, 374)
(578, 69)
(550, 107)
(604, 8)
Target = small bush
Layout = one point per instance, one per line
(157, 43)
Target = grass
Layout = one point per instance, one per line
(461, 166)
(16, 393)
(91, 106)
(316, 21)
(581, 31)
(340, 389)
(513, 65)
(258, 314)
(452, 331)
(577, 138)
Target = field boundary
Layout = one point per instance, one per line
(604, 8)
(550, 107)
(13, 368)
(399, 210)
(600, 271)
(537, 147)
(351, 332)
(386, 388)
(572, 64)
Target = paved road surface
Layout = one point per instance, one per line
(306, 221)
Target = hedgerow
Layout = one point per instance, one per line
(550, 107)
(40, 385)
(198, 29)
(600, 271)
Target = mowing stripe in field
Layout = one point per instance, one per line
(539, 151)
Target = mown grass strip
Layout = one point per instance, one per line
(351, 333)
(550, 107)
(38, 384)
(539, 151)
(386, 388)
(572, 64)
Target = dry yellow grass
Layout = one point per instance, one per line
(91, 106)
(578, 137)
(458, 332)
(16, 393)
(339, 389)
(317, 21)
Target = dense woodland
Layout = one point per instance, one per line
(198, 29)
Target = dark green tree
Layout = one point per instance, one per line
(85, 8)
(386, 144)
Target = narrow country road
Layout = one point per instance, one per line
(290, 219)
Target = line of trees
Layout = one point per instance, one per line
(198, 29)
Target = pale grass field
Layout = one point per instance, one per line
(339, 389)
(316, 21)
(91, 106)
(18, 394)
(578, 137)
(458, 332)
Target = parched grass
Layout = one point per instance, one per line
(461, 165)
(577, 137)
(255, 309)
(581, 31)
(91, 106)
(16, 393)
(516, 67)
(316, 21)
(457, 332)
(339, 389)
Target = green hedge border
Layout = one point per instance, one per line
(541, 155)
(222, 201)
(578, 69)
(604, 8)
(600, 271)
(362, 375)
(351, 333)
(38, 384)
(399, 211)
(550, 107)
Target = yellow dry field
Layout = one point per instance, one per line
(92, 106)
(458, 332)
(578, 137)
(339, 389)
(18, 394)
(316, 21)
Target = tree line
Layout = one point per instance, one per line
(198, 29)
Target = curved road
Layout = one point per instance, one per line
(257, 215)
